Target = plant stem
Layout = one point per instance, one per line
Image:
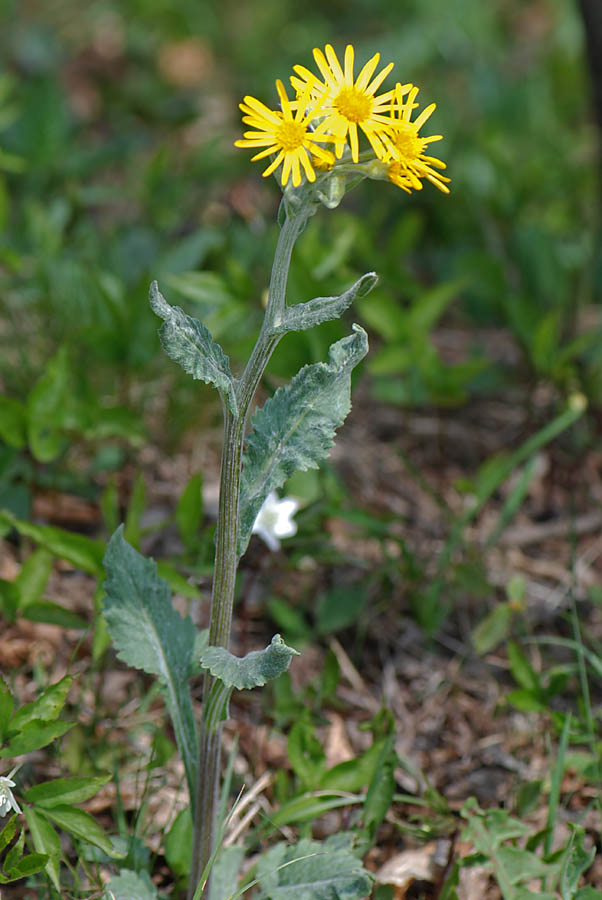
(226, 551)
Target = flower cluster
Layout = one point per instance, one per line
(332, 109)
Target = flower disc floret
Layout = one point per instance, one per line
(349, 103)
(288, 134)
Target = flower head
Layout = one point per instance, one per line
(335, 106)
(274, 519)
(7, 801)
(408, 162)
(347, 102)
(286, 134)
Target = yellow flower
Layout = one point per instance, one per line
(347, 102)
(286, 134)
(408, 162)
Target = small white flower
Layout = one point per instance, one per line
(274, 519)
(7, 801)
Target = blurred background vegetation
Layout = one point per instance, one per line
(117, 166)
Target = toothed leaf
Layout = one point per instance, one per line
(322, 309)
(190, 344)
(295, 429)
(150, 635)
(252, 670)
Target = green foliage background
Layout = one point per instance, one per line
(117, 166)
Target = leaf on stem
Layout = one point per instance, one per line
(252, 670)
(322, 309)
(150, 635)
(295, 429)
(190, 344)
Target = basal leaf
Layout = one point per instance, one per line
(225, 873)
(130, 885)
(150, 635)
(322, 309)
(310, 870)
(295, 429)
(252, 670)
(190, 344)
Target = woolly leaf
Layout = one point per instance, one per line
(150, 635)
(129, 885)
(322, 309)
(310, 870)
(252, 670)
(295, 429)
(190, 344)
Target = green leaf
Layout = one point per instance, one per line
(7, 704)
(339, 608)
(190, 344)
(321, 309)
(14, 854)
(46, 408)
(82, 552)
(189, 511)
(305, 753)
(353, 774)
(295, 429)
(225, 873)
(252, 670)
(577, 860)
(12, 422)
(31, 581)
(177, 582)
(8, 832)
(46, 841)
(178, 844)
(132, 529)
(520, 865)
(81, 824)
(382, 787)
(150, 635)
(46, 708)
(308, 870)
(310, 806)
(34, 736)
(65, 790)
(522, 671)
(130, 885)
(53, 614)
(431, 305)
(28, 865)
(493, 629)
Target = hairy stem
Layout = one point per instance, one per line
(226, 554)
